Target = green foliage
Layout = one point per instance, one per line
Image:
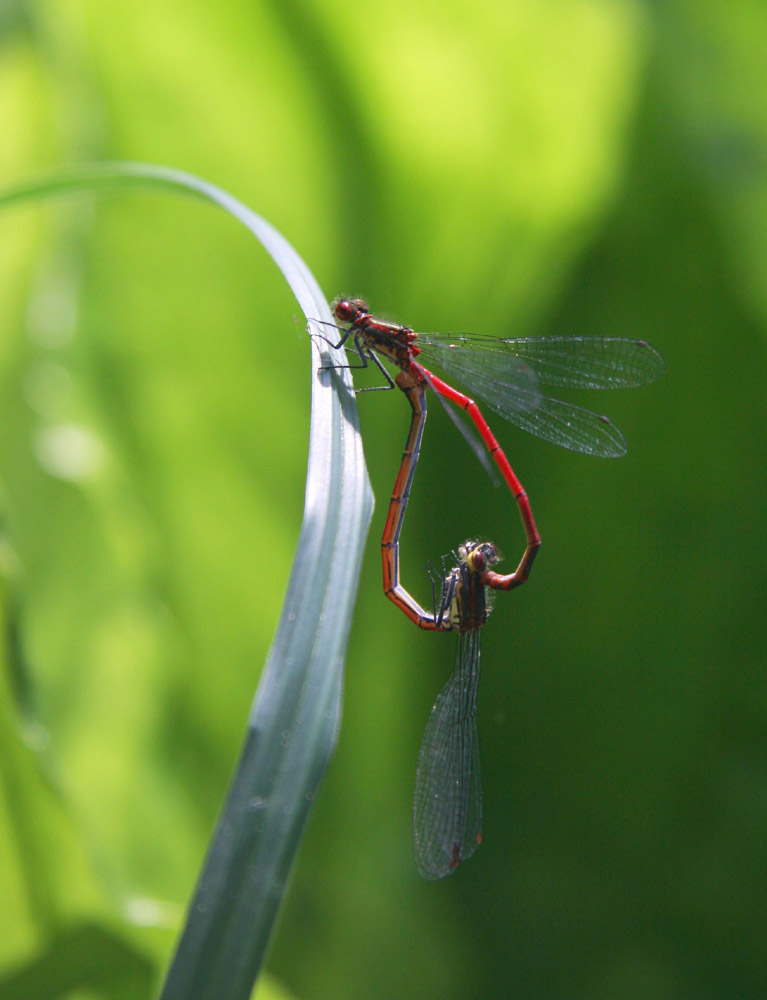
(517, 168)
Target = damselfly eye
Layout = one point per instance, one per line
(348, 309)
(344, 310)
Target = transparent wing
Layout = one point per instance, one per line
(567, 425)
(581, 362)
(482, 366)
(590, 362)
(447, 805)
(561, 423)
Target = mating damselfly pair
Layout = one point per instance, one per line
(510, 375)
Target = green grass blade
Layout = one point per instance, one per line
(296, 713)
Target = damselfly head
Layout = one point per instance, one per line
(347, 310)
(479, 556)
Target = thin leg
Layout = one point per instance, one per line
(398, 505)
(449, 584)
(345, 333)
(387, 376)
(495, 580)
(357, 347)
(365, 355)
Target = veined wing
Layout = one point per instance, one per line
(553, 420)
(570, 427)
(580, 362)
(479, 361)
(447, 804)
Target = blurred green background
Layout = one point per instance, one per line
(516, 168)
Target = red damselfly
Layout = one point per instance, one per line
(508, 373)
